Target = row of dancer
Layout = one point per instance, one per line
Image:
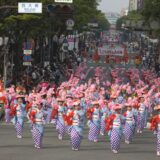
(121, 119)
(117, 107)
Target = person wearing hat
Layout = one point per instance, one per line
(94, 117)
(30, 105)
(58, 113)
(155, 126)
(10, 97)
(141, 115)
(18, 113)
(114, 128)
(129, 123)
(69, 106)
(105, 113)
(48, 106)
(82, 100)
(75, 119)
(36, 116)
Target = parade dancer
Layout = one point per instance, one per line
(155, 126)
(50, 100)
(94, 117)
(141, 116)
(129, 124)
(18, 113)
(36, 116)
(57, 115)
(10, 96)
(114, 128)
(30, 106)
(45, 104)
(135, 107)
(74, 119)
(105, 113)
(3, 102)
(69, 103)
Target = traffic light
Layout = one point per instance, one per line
(61, 9)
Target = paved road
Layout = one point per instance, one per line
(143, 147)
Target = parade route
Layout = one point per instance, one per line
(143, 147)
(80, 80)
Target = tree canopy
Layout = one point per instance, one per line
(31, 25)
(151, 9)
(42, 27)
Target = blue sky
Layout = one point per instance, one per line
(113, 5)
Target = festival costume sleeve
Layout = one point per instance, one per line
(28, 106)
(13, 111)
(154, 123)
(4, 100)
(125, 114)
(89, 113)
(109, 122)
(68, 118)
(32, 115)
(54, 113)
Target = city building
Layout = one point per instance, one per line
(140, 4)
(132, 5)
(112, 17)
(124, 12)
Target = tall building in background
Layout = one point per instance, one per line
(140, 4)
(132, 5)
(112, 17)
(124, 12)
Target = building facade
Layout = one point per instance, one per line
(112, 17)
(133, 5)
(124, 12)
(140, 4)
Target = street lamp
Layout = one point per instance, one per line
(4, 43)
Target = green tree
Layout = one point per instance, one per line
(20, 27)
(151, 9)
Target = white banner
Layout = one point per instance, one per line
(27, 64)
(29, 7)
(64, 1)
(27, 52)
(72, 42)
(111, 52)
